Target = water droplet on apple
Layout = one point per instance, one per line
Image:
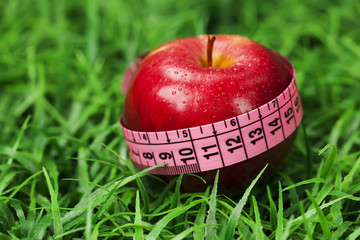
(186, 93)
(176, 72)
(173, 93)
(179, 88)
(185, 74)
(183, 102)
(250, 64)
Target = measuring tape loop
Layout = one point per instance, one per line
(220, 144)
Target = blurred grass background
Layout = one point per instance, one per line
(61, 67)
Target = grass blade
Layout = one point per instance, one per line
(304, 182)
(324, 192)
(309, 161)
(258, 231)
(139, 235)
(330, 160)
(354, 235)
(142, 189)
(280, 224)
(19, 137)
(88, 223)
(210, 231)
(6, 218)
(22, 220)
(229, 231)
(323, 222)
(161, 224)
(175, 200)
(273, 213)
(200, 218)
(5, 237)
(350, 176)
(341, 230)
(100, 194)
(57, 222)
(184, 234)
(306, 226)
(187, 232)
(286, 233)
(25, 182)
(41, 225)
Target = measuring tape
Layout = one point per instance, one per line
(220, 144)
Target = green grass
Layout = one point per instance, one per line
(64, 170)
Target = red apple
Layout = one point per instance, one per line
(188, 82)
(130, 72)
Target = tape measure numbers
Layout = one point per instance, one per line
(219, 144)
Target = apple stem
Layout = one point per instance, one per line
(210, 44)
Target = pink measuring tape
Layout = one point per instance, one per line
(220, 144)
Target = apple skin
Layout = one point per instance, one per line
(173, 89)
(131, 70)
